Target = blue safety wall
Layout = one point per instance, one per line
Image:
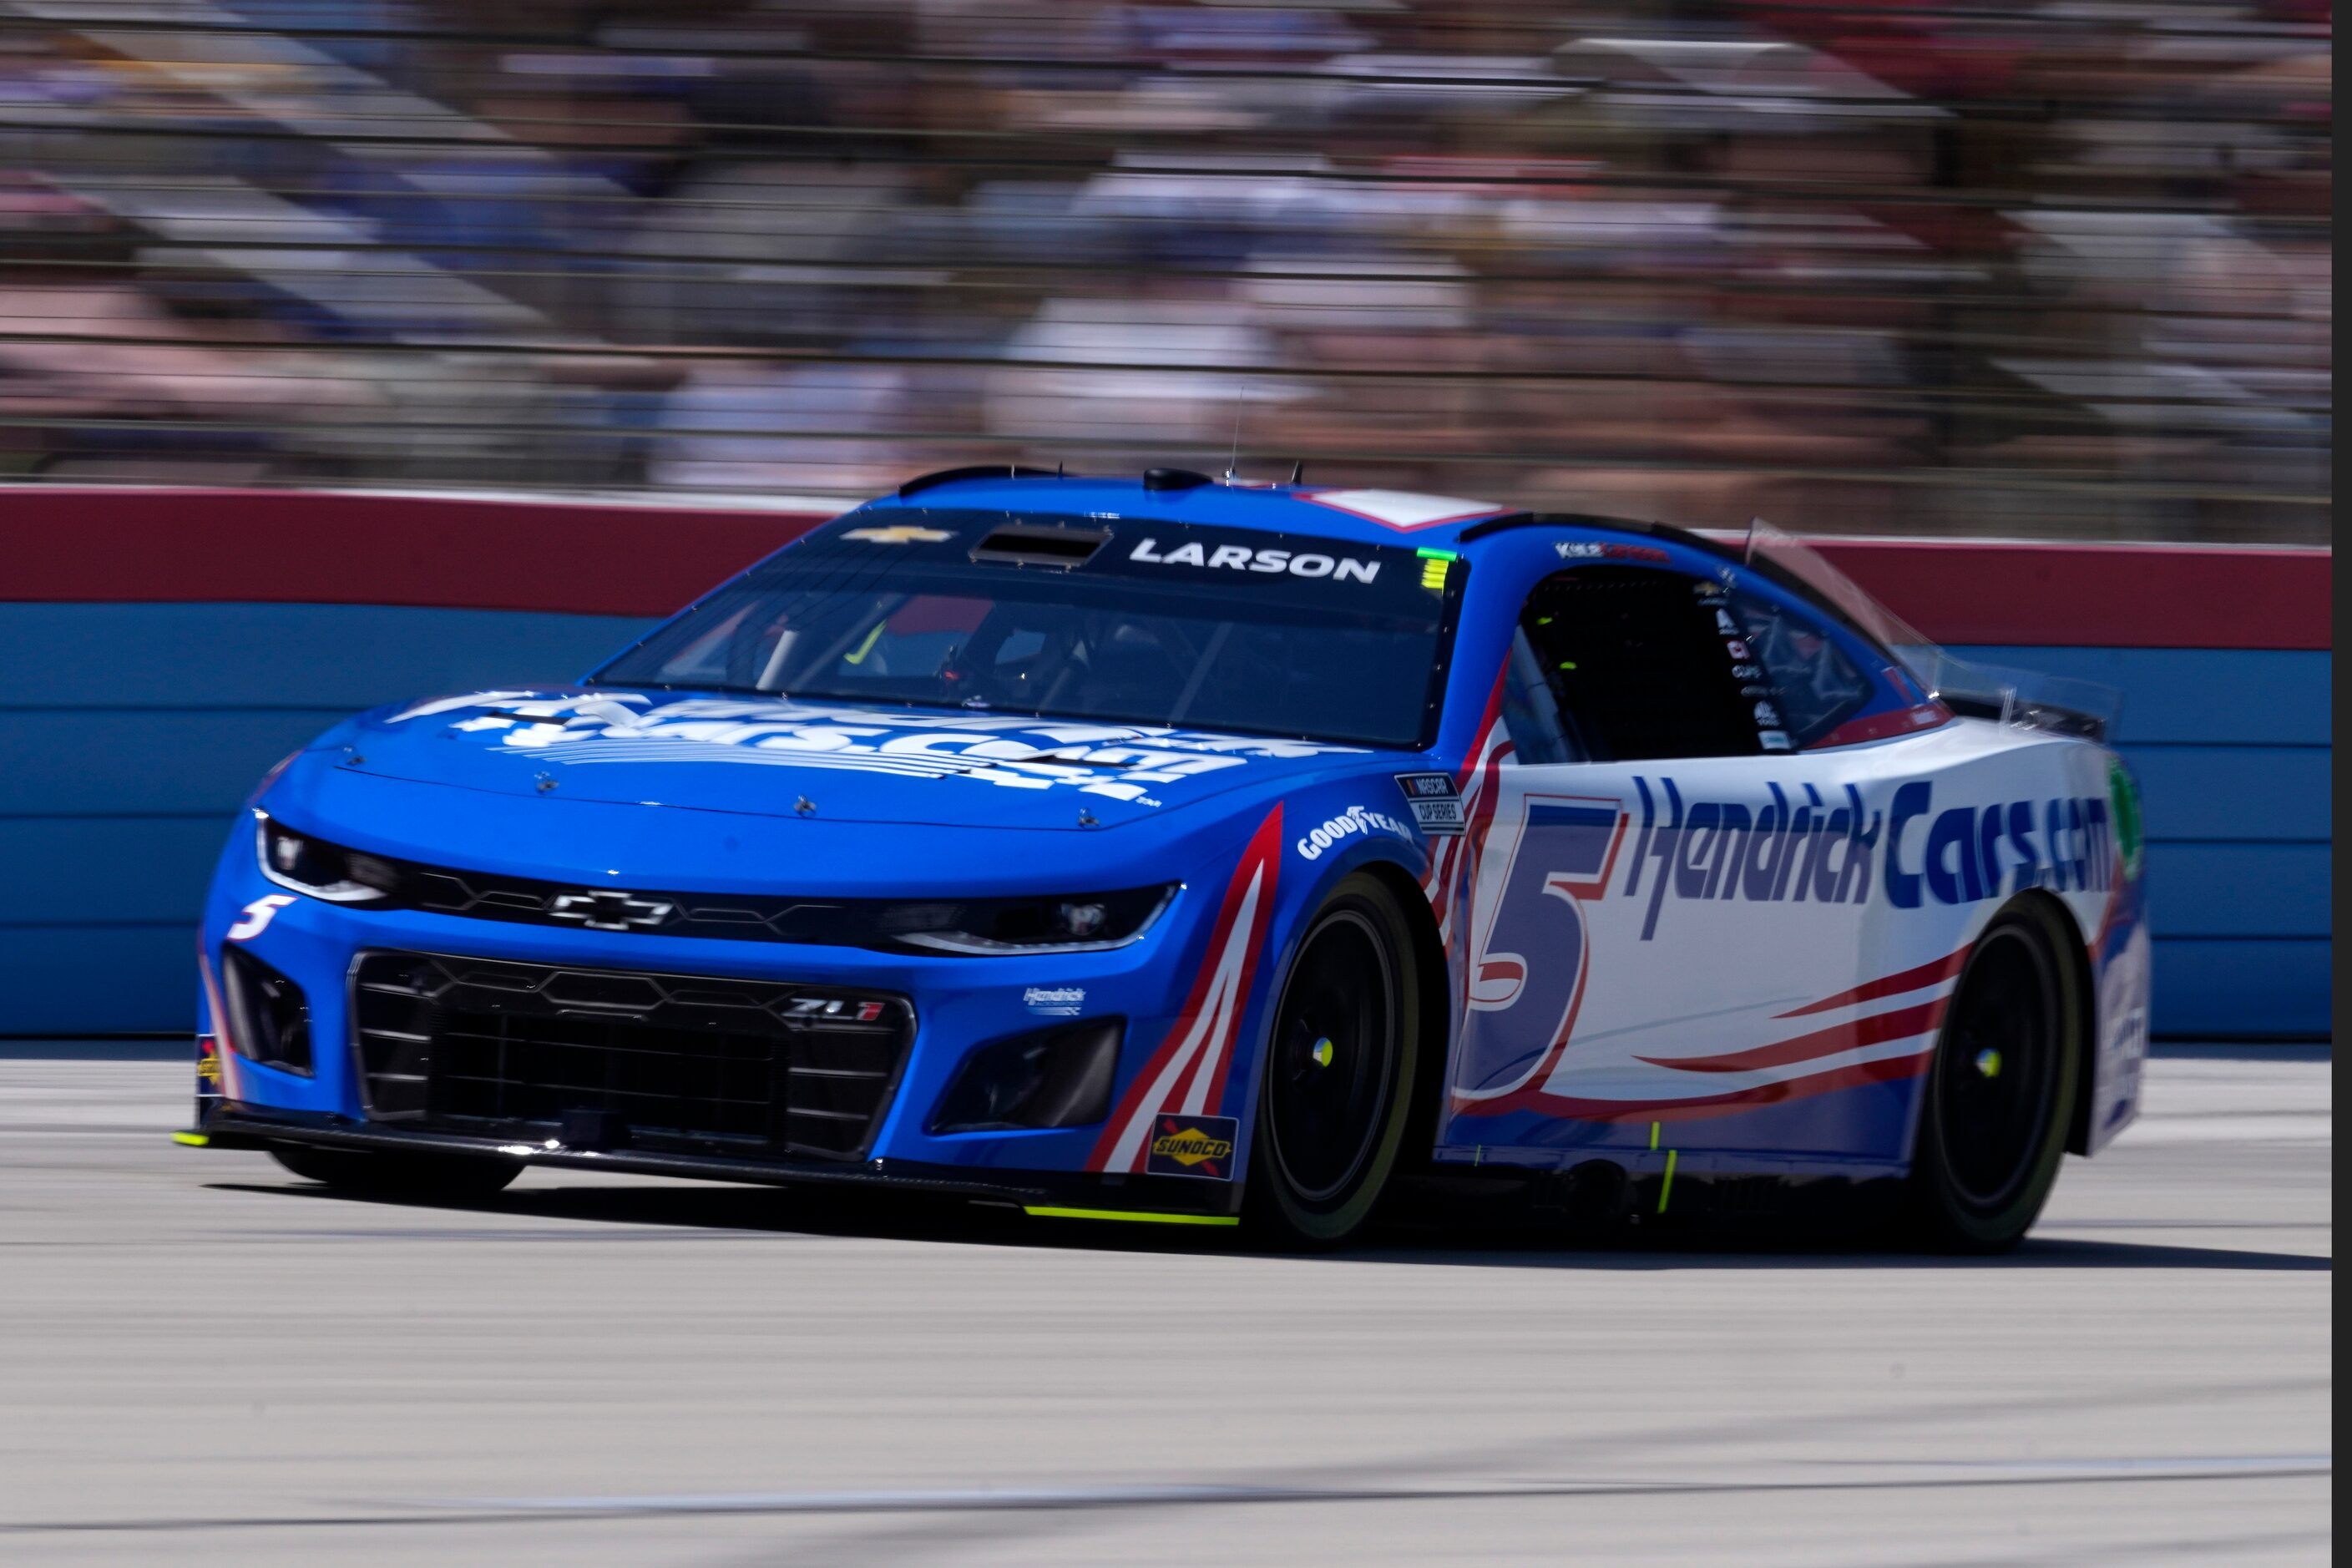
(130, 734)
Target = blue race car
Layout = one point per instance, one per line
(1201, 852)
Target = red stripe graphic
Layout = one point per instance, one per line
(1188, 1072)
(1475, 783)
(1873, 1031)
(1926, 974)
(1885, 1071)
(1878, 726)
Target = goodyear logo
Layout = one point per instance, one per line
(1192, 1146)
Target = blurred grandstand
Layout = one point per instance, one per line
(2023, 267)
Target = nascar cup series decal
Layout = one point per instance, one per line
(1119, 760)
(1435, 801)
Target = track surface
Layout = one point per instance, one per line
(204, 1358)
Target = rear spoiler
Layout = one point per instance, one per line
(2024, 698)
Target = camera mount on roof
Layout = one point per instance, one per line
(1174, 480)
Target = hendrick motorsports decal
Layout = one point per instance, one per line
(1121, 760)
(1192, 1146)
(1063, 1000)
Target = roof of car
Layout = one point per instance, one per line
(1361, 513)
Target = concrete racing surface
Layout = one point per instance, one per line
(204, 1358)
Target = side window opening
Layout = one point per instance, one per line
(1642, 663)
(1539, 734)
(1807, 677)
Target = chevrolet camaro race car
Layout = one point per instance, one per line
(1197, 851)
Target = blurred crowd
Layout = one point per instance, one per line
(2018, 267)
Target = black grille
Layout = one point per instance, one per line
(653, 1061)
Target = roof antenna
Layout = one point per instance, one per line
(1299, 472)
(1233, 464)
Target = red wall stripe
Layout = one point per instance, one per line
(477, 552)
(336, 548)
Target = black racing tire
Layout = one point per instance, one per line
(1999, 1092)
(1341, 1055)
(368, 1172)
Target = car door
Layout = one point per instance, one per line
(1672, 890)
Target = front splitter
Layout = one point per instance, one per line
(1046, 1193)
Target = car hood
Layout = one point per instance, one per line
(776, 757)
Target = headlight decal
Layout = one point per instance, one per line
(322, 870)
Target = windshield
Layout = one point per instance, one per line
(1121, 619)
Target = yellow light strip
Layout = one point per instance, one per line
(1666, 1188)
(1136, 1215)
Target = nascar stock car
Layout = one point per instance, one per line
(1190, 850)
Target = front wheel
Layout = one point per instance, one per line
(1339, 1064)
(370, 1173)
(2001, 1091)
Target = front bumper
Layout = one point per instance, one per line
(957, 1006)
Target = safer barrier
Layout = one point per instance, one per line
(162, 649)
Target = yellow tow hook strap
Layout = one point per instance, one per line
(191, 1139)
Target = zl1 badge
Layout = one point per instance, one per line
(1192, 1146)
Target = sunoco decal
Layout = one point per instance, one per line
(1192, 1146)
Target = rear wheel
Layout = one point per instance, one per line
(2001, 1092)
(1333, 1104)
(372, 1173)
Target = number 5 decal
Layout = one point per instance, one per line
(1528, 963)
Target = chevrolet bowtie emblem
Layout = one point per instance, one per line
(899, 533)
(609, 910)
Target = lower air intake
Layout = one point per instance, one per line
(673, 1062)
